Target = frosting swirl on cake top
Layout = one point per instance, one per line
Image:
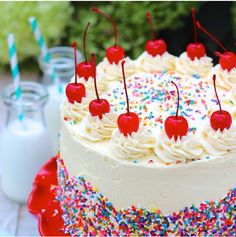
(225, 79)
(147, 63)
(188, 148)
(197, 67)
(94, 129)
(135, 146)
(217, 143)
(113, 72)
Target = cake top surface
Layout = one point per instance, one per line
(154, 98)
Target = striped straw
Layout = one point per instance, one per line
(44, 50)
(15, 71)
(38, 36)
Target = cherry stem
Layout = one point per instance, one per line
(75, 60)
(95, 9)
(194, 25)
(211, 36)
(214, 82)
(218, 54)
(126, 93)
(177, 111)
(149, 19)
(84, 42)
(93, 60)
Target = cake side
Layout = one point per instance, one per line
(127, 183)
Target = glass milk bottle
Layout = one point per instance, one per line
(56, 74)
(25, 144)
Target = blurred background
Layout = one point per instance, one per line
(64, 22)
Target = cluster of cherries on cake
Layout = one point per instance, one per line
(175, 126)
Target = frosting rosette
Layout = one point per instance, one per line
(76, 111)
(225, 79)
(94, 129)
(159, 63)
(132, 147)
(217, 143)
(198, 67)
(188, 148)
(113, 72)
(101, 84)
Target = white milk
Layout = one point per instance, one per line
(24, 148)
(52, 114)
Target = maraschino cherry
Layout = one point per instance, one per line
(115, 53)
(99, 106)
(75, 91)
(195, 50)
(127, 122)
(176, 126)
(220, 119)
(227, 59)
(85, 69)
(154, 46)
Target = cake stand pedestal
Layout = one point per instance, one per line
(42, 201)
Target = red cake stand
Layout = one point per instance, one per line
(42, 201)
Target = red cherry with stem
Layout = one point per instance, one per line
(154, 46)
(85, 69)
(228, 59)
(195, 50)
(115, 53)
(176, 126)
(75, 91)
(220, 119)
(97, 107)
(127, 122)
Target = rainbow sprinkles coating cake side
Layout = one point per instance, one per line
(132, 162)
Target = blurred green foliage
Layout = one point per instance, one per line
(133, 29)
(53, 17)
(233, 10)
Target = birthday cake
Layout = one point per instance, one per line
(148, 146)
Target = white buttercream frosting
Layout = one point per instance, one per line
(94, 129)
(135, 146)
(75, 111)
(113, 72)
(217, 143)
(159, 63)
(225, 79)
(199, 67)
(186, 149)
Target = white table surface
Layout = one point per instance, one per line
(15, 219)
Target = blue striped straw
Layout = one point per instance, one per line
(40, 40)
(15, 71)
(44, 50)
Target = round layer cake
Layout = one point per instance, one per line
(146, 183)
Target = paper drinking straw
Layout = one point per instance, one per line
(15, 71)
(44, 50)
(39, 38)
(57, 81)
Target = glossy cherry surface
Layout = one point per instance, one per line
(129, 121)
(196, 49)
(220, 119)
(176, 126)
(114, 53)
(75, 91)
(155, 46)
(97, 107)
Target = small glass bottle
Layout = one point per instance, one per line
(25, 144)
(56, 74)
